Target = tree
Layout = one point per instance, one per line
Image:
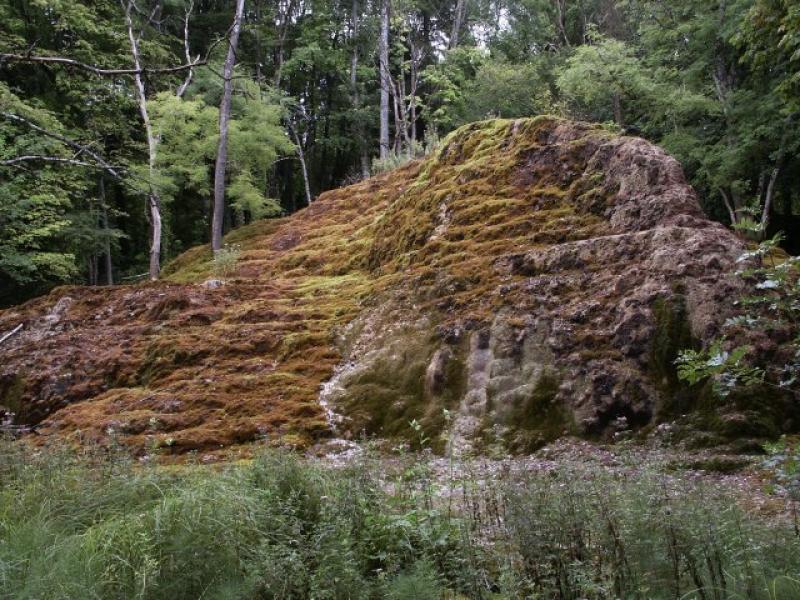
(224, 118)
(385, 78)
(605, 79)
(153, 199)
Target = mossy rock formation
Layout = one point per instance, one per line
(534, 278)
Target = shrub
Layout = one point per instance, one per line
(226, 259)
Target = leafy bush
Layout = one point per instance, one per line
(226, 259)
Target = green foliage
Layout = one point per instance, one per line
(589, 536)
(34, 205)
(226, 260)
(188, 143)
(606, 71)
(281, 527)
(773, 308)
(468, 86)
(421, 582)
(783, 462)
(187, 147)
(727, 370)
(716, 85)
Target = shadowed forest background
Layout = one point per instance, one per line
(326, 92)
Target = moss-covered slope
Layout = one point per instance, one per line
(518, 278)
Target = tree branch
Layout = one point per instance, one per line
(184, 86)
(69, 62)
(54, 159)
(81, 149)
(10, 333)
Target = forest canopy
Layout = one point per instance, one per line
(110, 110)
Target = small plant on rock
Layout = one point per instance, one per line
(773, 308)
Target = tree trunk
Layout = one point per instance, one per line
(106, 234)
(397, 127)
(729, 206)
(286, 18)
(787, 134)
(361, 137)
(383, 57)
(153, 200)
(303, 167)
(765, 214)
(562, 28)
(91, 263)
(458, 23)
(224, 118)
(190, 73)
(617, 105)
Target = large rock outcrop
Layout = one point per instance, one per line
(533, 278)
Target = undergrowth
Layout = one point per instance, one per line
(281, 526)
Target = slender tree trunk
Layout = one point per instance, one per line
(153, 199)
(458, 23)
(303, 167)
(224, 118)
(617, 105)
(92, 266)
(416, 60)
(383, 57)
(776, 171)
(397, 127)
(729, 206)
(259, 75)
(190, 73)
(765, 214)
(362, 142)
(284, 28)
(106, 233)
(561, 9)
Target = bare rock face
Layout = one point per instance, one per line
(534, 278)
(570, 324)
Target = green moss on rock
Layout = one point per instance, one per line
(540, 418)
(12, 390)
(672, 335)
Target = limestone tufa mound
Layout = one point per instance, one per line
(535, 278)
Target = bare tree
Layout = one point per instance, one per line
(561, 9)
(404, 94)
(224, 119)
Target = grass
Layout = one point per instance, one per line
(101, 526)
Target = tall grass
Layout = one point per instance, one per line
(284, 527)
